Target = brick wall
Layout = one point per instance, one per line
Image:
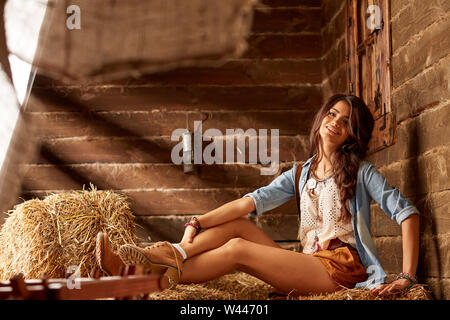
(418, 163)
(334, 64)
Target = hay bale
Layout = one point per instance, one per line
(416, 292)
(241, 286)
(50, 235)
(234, 286)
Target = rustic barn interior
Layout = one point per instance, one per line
(117, 134)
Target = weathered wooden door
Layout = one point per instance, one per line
(369, 64)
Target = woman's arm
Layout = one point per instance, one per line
(410, 245)
(227, 212)
(263, 199)
(389, 198)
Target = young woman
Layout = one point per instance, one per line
(336, 188)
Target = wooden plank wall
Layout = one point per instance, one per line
(117, 134)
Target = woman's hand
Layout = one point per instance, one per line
(189, 234)
(399, 284)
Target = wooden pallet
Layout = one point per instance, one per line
(131, 284)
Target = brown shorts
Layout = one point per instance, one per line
(343, 265)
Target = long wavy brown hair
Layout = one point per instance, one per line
(345, 160)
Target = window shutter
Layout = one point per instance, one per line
(369, 75)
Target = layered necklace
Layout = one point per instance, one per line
(312, 182)
(314, 189)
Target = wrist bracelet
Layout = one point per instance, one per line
(401, 274)
(406, 276)
(197, 222)
(197, 228)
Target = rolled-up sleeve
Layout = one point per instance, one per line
(389, 198)
(279, 191)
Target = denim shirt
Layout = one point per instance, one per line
(370, 185)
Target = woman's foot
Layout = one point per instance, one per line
(107, 260)
(161, 258)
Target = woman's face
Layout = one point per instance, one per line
(333, 129)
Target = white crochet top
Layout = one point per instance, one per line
(320, 208)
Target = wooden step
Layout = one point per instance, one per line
(241, 72)
(287, 19)
(293, 45)
(138, 176)
(232, 72)
(291, 3)
(81, 150)
(182, 97)
(144, 123)
(178, 201)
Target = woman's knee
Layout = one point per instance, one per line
(234, 248)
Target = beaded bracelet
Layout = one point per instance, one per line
(197, 228)
(408, 277)
(197, 222)
(196, 225)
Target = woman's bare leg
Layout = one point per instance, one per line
(217, 236)
(241, 245)
(288, 271)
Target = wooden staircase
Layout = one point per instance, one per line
(117, 135)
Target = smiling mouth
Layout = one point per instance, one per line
(331, 131)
